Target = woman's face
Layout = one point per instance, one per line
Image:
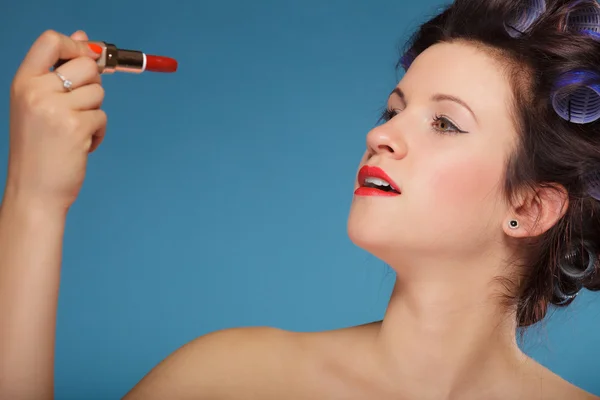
(445, 146)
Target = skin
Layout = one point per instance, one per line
(445, 334)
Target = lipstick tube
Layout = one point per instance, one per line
(112, 59)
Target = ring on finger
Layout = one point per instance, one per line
(67, 84)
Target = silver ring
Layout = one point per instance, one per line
(67, 84)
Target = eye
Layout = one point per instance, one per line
(388, 114)
(443, 125)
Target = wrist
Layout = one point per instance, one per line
(18, 203)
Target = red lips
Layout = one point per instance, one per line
(374, 172)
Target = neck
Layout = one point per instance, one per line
(447, 336)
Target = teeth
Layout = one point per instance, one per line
(377, 182)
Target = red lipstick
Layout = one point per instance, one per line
(112, 59)
(160, 64)
(369, 189)
(133, 61)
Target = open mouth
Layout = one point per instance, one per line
(374, 181)
(379, 184)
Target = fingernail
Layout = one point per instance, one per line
(95, 48)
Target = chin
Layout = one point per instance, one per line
(397, 238)
(373, 235)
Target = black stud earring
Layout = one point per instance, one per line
(514, 224)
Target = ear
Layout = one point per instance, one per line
(537, 210)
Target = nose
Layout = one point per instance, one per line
(386, 141)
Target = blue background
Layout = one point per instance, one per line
(220, 195)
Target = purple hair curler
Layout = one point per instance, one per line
(594, 34)
(592, 180)
(524, 17)
(584, 17)
(576, 100)
(407, 59)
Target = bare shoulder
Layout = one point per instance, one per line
(219, 365)
(554, 387)
(248, 363)
(563, 389)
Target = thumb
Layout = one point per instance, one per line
(80, 35)
(48, 49)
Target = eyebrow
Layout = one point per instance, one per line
(437, 97)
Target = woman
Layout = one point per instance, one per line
(475, 189)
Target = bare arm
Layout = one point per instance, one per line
(52, 131)
(30, 255)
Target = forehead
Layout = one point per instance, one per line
(463, 70)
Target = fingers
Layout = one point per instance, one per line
(80, 35)
(80, 71)
(97, 139)
(48, 49)
(96, 122)
(88, 97)
(34, 80)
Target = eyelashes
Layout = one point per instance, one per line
(441, 124)
(387, 115)
(443, 120)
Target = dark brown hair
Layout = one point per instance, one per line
(551, 151)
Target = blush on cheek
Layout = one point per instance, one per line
(465, 183)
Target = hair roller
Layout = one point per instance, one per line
(407, 59)
(580, 263)
(576, 96)
(524, 17)
(560, 298)
(592, 182)
(583, 17)
(576, 267)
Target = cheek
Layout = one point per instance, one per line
(466, 183)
